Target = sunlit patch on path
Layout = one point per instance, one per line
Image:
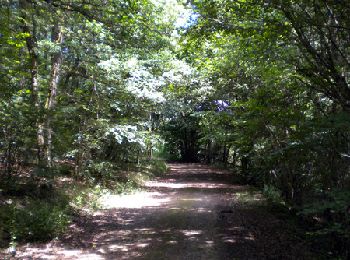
(203, 185)
(191, 213)
(134, 201)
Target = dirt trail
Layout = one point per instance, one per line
(191, 213)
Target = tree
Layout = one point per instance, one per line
(281, 68)
(321, 29)
(78, 71)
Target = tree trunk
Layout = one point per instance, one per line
(56, 61)
(244, 164)
(31, 42)
(209, 151)
(225, 154)
(8, 159)
(150, 148)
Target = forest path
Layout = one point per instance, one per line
(193, 212)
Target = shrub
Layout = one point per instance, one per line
(327, 221)
(158, 167)
(272, 194)
(34, 220)
(88, 197)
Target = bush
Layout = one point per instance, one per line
(88, 197)
(100, 170)
(158, 167)
(272, 194)
(327, 221)
(35, 220)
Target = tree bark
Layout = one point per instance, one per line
(31, 43)
(56, 62)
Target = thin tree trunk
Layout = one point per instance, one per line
(31, 43)
(209, 151)
(56, 61)
(150, 148)
(224, 154)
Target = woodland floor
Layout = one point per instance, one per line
(193, 212)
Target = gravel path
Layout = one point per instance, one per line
(191, 213)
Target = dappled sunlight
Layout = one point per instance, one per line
(189, 233)
(164, 191)
(147, 231)
(201, 210)
(209, 243)
(239, 229)
(225, 125)
(193, 199)
(114, 248)
(250, 236)
(194, 169)
(59, 253)
(177, 217)
(172, 242)
(195, 185)
(229, 240)
(133, 201)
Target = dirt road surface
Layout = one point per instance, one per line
(193, 212)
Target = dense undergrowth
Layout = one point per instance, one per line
(41, 208)
(323, 221)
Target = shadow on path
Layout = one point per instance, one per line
(191, 213)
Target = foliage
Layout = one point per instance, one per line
(157, 168)
(276, 126)
(272, 194)
(327, 222)
(87, 198)
(35, 220)
(121, 181)
(278, 66)
(103, 86)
